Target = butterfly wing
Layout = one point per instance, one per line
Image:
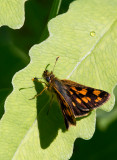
(66, 109)
(68, 115)
(84, 98)
(77, 100)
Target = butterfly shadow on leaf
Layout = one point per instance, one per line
(49, 117)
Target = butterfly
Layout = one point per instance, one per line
(75, 100)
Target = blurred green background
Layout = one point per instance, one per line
(14, 49)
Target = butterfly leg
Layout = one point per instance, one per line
(39, 93)
(25, 88)
(36, 80)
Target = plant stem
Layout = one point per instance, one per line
(53, 13)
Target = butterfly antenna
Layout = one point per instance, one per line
(55, 63)
(47, 66)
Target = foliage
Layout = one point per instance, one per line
(86, 31)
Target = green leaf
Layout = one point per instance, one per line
(12, 13)
(85, 39)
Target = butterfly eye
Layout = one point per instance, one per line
(47, 79)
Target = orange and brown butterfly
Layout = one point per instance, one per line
(75, 100)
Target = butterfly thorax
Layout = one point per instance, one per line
(53, 82)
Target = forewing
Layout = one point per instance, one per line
(84, 98)
(68, 113)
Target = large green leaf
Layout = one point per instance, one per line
(12, 13)
(85, 39)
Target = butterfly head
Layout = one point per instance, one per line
(48, 76)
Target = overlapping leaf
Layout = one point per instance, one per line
(12, 13)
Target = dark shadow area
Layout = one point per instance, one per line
(48, 123)
(65, 6)
(102, 146)
(3, 95)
